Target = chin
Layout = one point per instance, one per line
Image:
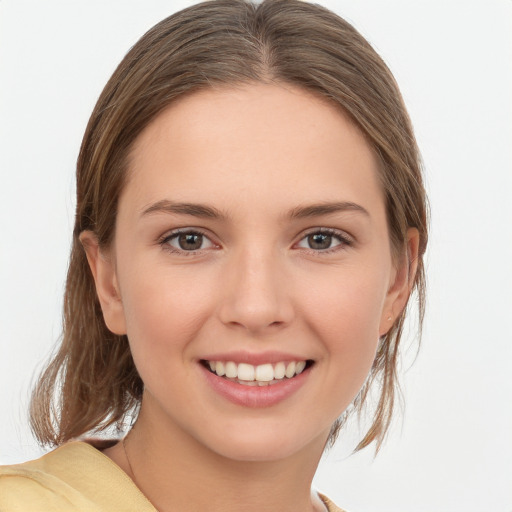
(266, 443)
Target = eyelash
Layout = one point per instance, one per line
(164, 241)
(344, 241)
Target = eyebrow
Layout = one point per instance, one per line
(196, 210)
(210, 212)
(316, 210)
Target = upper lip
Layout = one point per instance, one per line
(254, 358)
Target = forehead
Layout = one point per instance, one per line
(258, 141)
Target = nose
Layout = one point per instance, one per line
(257, 293)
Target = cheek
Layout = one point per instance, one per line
(344, 313)
(162, 315)
(346, 302)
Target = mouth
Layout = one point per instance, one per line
(267, 374)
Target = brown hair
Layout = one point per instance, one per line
(91, 383)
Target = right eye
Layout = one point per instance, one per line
(187, 241)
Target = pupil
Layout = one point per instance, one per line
(319, 241)
(190, 241)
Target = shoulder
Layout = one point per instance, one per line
(75, 476)
(331, 507)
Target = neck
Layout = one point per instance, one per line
(176, 472)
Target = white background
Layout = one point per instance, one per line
(453, 449)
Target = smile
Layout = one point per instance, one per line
(260, 375)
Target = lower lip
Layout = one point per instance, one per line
(255, 396)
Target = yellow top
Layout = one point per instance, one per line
(75, 477)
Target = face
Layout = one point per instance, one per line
(251, 269)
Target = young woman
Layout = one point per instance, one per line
(250, 224)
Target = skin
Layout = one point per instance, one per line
(256, 154)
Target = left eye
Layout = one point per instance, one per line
(320, 241)
(188, 241)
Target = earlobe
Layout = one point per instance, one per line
(105, 278)
(403, 282)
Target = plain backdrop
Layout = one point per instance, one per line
(452, 450)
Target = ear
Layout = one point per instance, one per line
(105, 278)
(402, 283)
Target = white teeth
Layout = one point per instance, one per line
(290, 370)
(231, 370)
(264, 373)
(248, 382)
(279, 371)
(246, 372)
(299, 368)
(219, 368)
(261, 375)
